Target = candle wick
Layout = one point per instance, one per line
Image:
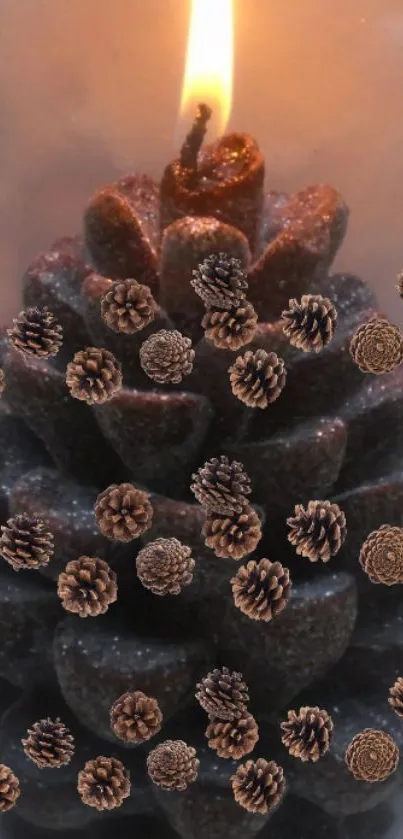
(194, 140)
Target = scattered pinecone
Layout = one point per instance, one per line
(318, 531)
(165, 566)
(127, 306)
(257, 378)
(173, 765)
(396, 697)
(232, 329)
(258, 786)
(220, 281)
(233, 739)
(372, 756)
(310, 323)
(104, 783)
(308, 734)
(2, 381)
(49, 744)
(261, 589)
(381, 555)
(87, 586)
(167, 356)
(10, 789)
(135, 717)
(232, 537)
(400, 283)
(221, 486)
(26, 543)
(123, 512)
(94, 376)
(223, 694)
(36, 332)
(377, 346)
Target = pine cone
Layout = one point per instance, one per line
(123, 512)
(308, 734)
(2, 381)
(257, 378)
(233, 739)
(233, 537)
(9, 788)
(36, 332)
(94, 376)
(261, 589)
(396, 697)
(223, 694)
(135, 717)
(87, 586)
(318, 531)
(310, 324)
(165, 566)
(231, 329)
(173, 765)
(377, 346)
(381, 555)
(167, 356)
(128, 306)
(26, 543)
(400, 283)
(49, 744)
(372, 756)
(220, 281)
(104, 783)
(258, 786)
(221, 486)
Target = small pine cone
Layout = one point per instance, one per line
(310, 324)
(377, 346)
(165, 566)
(104, 783)
(232, 329)
(167, 356)
(400, 283)
(221, 486)
(396, 697)
(318, 531)
(257, 378)
(381, 555)
(49, 744)
(173, 765)
(10, 789)
(261, 589)
(2, 381)
(123, 512)
(87, 586)
(308, 734)
(258, 786)
(223, 694)
(26, 543)
(233, 739)
(233, 537)
(128, 306)
(220, 281)
(36, 332)
(372, 756)
(135, 717)
(94, 376)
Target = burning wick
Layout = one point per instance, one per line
(193, 143)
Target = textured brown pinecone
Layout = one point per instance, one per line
(49, 744)
(173, 765)
(372, 755)
(36, 332)
(232, 537)
(165, 566)
(258, 786)
(381, 555)
(400, 283)
(261, 589)
(308, 734)
(377, 346)
(123, 512)
(26, 543)
(221, 486)
(220, 281)
(10, 789)
(257, 378)
(396, 697)
(87, 586)
(2, 381)
(135, 717)
(94, 376)
(223, 694)
(231, 329)
(104, 783)
(167, 356)
(234, 738)
(310, 323)
(318, 531)
(127, 306)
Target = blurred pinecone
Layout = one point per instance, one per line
(233, 739)
(135, 717)
(307, 735)
(104, 783)
(259, 786)
(223, 694)
(173, 765)
(49, 744)
(261, 589)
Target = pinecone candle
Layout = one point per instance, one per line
(310, 323)
(372, 756)
(223, 694)
(220, 282)
(167, 356)
(233, 739)
(165, 566)
(230, 329)
(261, 589)
(104, 783)
(377, 346)
(36, 332)
(233, 537)
(94, 376)
(173, 765)
(127, 306)
(307, 735)
(123, 512)
(222, 486)
(258, 786)
(9, 789)
(87, 587)
(26, 543)
(257, 378)
(396, 697)
(381, 555)
(135, 717)
(317, 532)
(49, 744)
